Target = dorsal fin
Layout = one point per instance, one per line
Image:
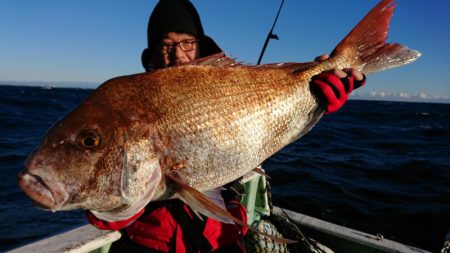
(217, 60)
(221, 60)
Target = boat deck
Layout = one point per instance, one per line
(338, 238)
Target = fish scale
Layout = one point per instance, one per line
(256, 110)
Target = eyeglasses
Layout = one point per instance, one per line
(185, 45)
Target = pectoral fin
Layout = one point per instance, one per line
(201, 204)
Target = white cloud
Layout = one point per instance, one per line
(404, 95)
(400, 96)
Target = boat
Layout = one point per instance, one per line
(331, 237)
(339, 239)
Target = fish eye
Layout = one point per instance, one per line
(89, 139)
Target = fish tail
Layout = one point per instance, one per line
(366, 44)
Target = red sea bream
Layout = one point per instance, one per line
(181, 131)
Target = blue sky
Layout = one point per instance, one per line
(93, 41)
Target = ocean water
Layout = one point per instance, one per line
(379, 167)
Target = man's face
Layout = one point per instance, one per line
(178, 48)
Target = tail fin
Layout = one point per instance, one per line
(366, 43)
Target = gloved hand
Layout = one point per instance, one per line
(334, 86)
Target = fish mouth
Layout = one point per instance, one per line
(36, 188)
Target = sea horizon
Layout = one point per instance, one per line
(356, 95)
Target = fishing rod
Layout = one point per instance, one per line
(270, 35)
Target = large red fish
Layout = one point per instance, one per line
(182, 131)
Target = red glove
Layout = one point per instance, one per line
(115, 225)
(334, 91)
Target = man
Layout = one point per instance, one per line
(175, 36)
